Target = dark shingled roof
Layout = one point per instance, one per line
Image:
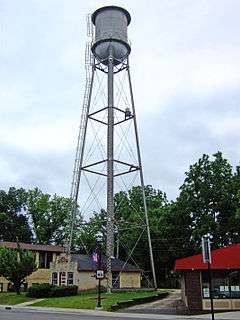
(33, 247)
(85, 263)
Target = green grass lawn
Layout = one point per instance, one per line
(89, 301)
(11, 298)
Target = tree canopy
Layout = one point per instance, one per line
(33, 216)
(208, 202)
(13, 219)
(16, 265)
(50, 216)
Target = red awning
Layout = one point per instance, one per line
(223, 258)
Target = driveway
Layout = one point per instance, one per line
(172, 304)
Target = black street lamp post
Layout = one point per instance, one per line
(207, 258)
(99, 272)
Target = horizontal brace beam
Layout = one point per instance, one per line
(129, 118)
(125, 172)
(95, 172)
(93, 164)
(126, 164)
(100, 110)
(97, 120)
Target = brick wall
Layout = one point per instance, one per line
(193, 290)
(130, 280)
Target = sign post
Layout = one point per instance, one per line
(99, 272)
(206, 252)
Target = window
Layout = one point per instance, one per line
(70, 278)
(62, 278)
(1, 287)
(10, 287)
(54, 278)
(49, 259)
(225, 284)
(42, 258)
(234, 279)
(24, 287)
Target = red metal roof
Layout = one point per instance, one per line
(33, 247)
(223, 258)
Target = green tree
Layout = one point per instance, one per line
(209, 196)
(130, 219)
(50, 216)
(85, 241)
(13, 219)
(15, 265)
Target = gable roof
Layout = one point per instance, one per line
(85, 263)
(33, 247)
(223, 258)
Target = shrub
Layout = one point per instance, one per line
(39, 290)
(46, 290)
(64, 291)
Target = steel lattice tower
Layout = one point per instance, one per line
(107, 54)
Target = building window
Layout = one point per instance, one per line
(24, 287)
(225, 284)
(10, 287)
(70, 278)
(54, 278)
(42, 260)
(1, 287)
(49, 259)
(234, 280)
(62, 279)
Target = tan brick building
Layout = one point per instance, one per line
(45, 254)
(80, 270)
(56, 268)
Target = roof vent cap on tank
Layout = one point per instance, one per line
(111, 23)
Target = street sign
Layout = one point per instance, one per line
(99, 274)
(206, 250)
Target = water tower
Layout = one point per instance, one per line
(108, 107)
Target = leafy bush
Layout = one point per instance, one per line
(63, 291)
(39, 290)
(46, 290)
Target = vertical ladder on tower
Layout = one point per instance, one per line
(89, 61)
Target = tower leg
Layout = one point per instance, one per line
(142, 182)
(110, 150)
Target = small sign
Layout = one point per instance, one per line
(99, 274)
(206, 250)
(206, 293)
(62, 259)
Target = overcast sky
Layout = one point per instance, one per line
(186, 75)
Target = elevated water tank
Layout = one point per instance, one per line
(111, 24)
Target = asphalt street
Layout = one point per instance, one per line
(26, 313)
(39, 315)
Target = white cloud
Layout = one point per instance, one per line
(185, 69)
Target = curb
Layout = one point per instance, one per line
(136, 301)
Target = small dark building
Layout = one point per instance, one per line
(225, 280)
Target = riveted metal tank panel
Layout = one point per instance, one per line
(111, 24)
